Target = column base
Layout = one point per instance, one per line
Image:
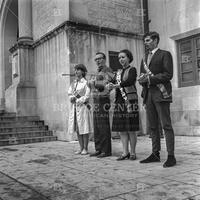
(21, 99)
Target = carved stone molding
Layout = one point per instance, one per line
(21, 45)
(78, 26)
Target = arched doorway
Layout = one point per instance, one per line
(8, 37)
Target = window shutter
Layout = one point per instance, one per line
(186, 63)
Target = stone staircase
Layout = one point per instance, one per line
(23, 129)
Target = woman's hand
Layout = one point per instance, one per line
(117, 85)
(111, 86)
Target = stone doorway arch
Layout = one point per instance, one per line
(8, 37)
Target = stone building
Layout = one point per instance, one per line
(178, 24)
(42, 39)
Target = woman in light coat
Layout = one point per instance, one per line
(80, 114)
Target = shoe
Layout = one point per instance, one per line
(132, 157)
(95, 153)
(122, 157)
(78, 152)
(170, 162)
(102, 155)
(152, 158)
(84, 152)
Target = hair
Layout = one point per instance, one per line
(104, 56)
(128, 54)
(153, 35)
(83, 68)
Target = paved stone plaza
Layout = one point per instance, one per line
(51, 171)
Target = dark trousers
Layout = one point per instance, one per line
(102, 132)
(155, 111)
(159, 128)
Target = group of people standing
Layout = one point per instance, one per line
(156, 71)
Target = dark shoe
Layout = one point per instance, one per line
(132, 157)
(152, 158)
(122, 157)
(95, 153)
(102, 155)
(170, 162)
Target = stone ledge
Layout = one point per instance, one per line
(70, 25)
(84, 27)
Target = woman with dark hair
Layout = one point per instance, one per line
(126, 115)
(80, 115)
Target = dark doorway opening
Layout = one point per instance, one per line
(114, 61)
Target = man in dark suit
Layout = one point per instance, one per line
(156, 71)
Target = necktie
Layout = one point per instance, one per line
(150, 55)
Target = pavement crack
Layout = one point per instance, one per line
(42, 197)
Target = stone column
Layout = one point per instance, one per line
(25, 20)
(20, 97)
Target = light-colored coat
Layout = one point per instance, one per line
(83, 114)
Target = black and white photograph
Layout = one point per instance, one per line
(99, 100)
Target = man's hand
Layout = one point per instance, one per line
(77, 95)
(143, 79)
(73, 99)
(79, 102)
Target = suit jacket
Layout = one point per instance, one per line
(161, 65)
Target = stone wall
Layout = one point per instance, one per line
(83, 46)
(48, 14)
(186, 111)
(51, 59)
(123, 15)
(170, 18)
(59, 55)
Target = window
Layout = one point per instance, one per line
(114, 61)
(189, 61)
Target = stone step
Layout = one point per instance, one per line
(21, 123)
(27, 140)
(11, 114)
(22, 128)
(25, 134)
(19, 118)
